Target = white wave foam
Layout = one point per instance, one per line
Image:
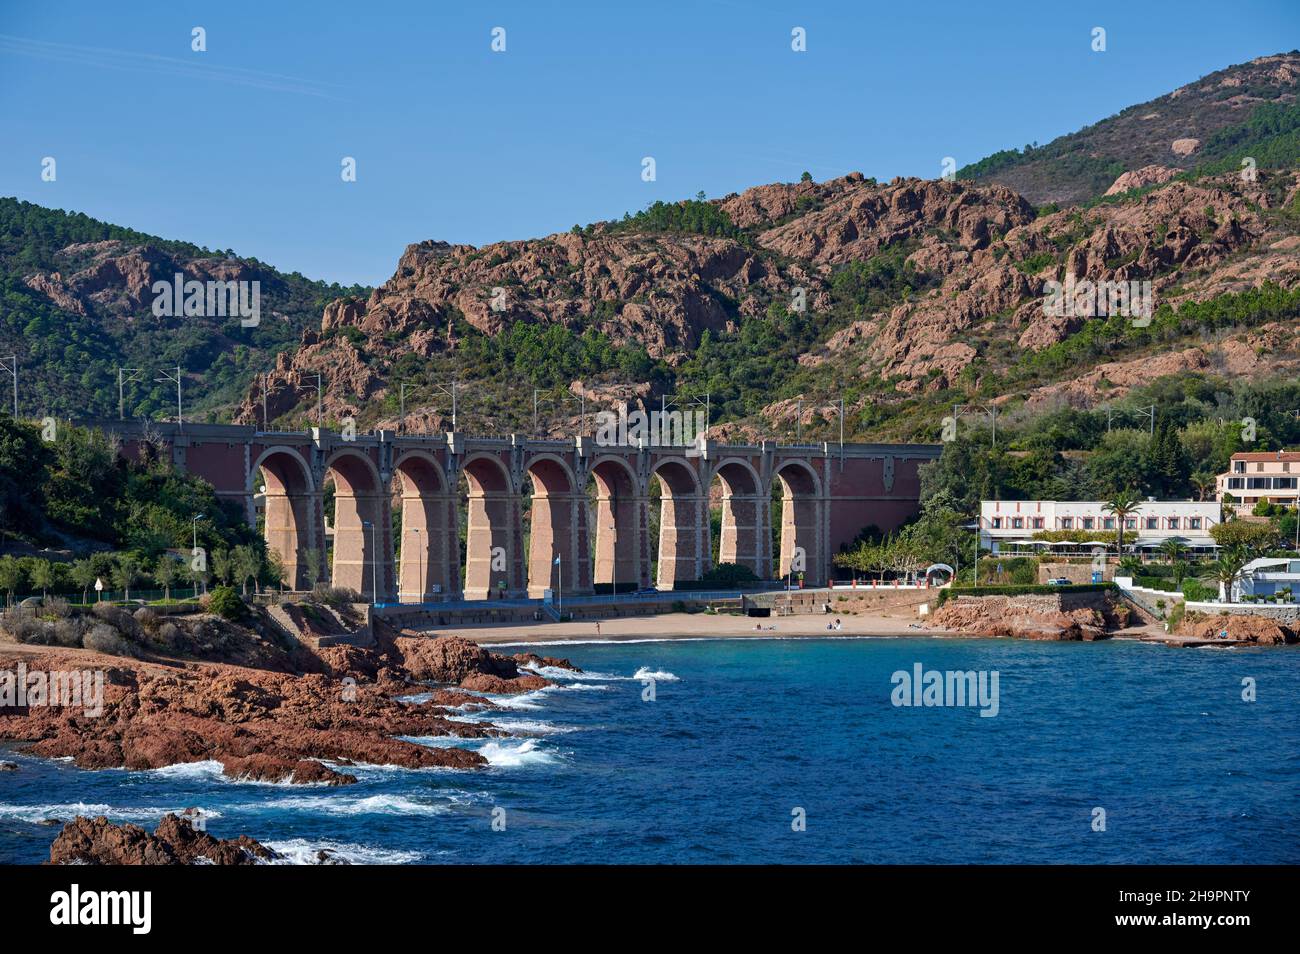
(213, 771)
(527, 700)
(516, 754)
(645, 672)
(199, 771)
(568, 675)
(354, 805)
(533, 726)
(299, 851)
(35, 814)
(508, 725)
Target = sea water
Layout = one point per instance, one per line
(767, 750)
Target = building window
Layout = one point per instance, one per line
(1018, 522)
(1153, 523)
(1238, 466)
(1194, 523)
(1235, 483)
(1173, 523)
(1038, 523)
(1130, 523)
(1087, 523)
(1108, 523)
(997, 523)
(1067, 523)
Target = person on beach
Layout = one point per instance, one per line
(597, 627)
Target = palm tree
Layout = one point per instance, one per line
(167, 572)
(245, 564)
(42, 574)
(1226, 569)
(223, 566)
(1122, 505)
(1174, 550)
(83, 574)
(1205, 484)
(275, 569)
(125, 572)
(11, 575)
(312, 558)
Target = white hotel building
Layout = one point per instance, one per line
(1010, 525)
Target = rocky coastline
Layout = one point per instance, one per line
(302, 727)
(1065, 616)
(1092, 616)
(344, 706)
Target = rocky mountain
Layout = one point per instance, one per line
(1201, 124)
(903, 297)
(900, 298)
(631, 287)
(76, 303)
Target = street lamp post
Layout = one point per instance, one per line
(194, 525)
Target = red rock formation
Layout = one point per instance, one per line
(543, 662)
(483, 682)
(1183, 238)
(96, 841)
(1147, 175)
(275, 726)
(450, 659)
(1264, 630)
(1054, 617)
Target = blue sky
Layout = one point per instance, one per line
(240, 147)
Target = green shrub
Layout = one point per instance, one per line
(225, 602)
(1198, 592)
(1040, 588)
(103, 638)
(1156, 583)
(727, 574)
(1176, 615)
(338, 597)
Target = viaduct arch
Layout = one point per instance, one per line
(403, 502)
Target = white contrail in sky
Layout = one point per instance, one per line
(104, 58)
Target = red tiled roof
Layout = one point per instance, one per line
(1266, 456)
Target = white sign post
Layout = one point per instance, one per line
(99, 589)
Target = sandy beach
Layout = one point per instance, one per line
(692, 626)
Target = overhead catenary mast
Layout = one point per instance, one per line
(170, 376)
(12, 368)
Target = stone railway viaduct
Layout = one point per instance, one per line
(829, 494)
